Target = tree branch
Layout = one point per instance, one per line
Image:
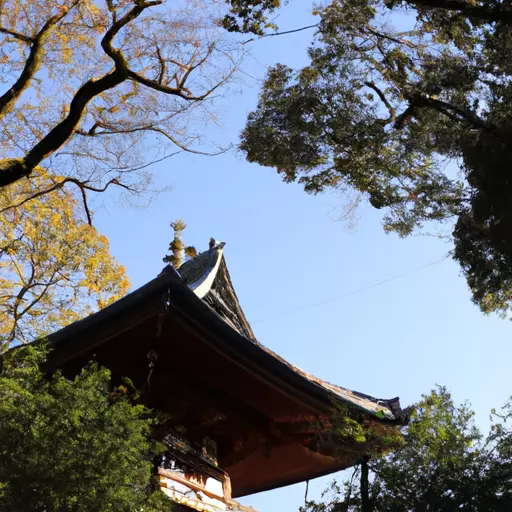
(112, 9)
(191, 67)
(83, 186)
(18, 300)
(452, 111)
(17, 35)
(83, 190)
(147, 128)
(272, 34)
(384, 100)
(489, 13)
(33, 62)
(366, 504)
(404, 117)
(161, 75)
(86, 206)
(12, 170)
(174, 91)
(47, 285)
(393, 39)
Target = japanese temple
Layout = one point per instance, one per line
(241, 419)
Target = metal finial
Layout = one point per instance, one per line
(215, 243)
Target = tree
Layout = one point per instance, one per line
(393, 92)
(72, 445)
(54, 267)
(444, 465)
(91, 93)
(96, 91)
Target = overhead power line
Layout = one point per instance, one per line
(351, 292)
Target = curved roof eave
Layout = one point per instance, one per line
(169, 290)
(202, 284)
(200, 275)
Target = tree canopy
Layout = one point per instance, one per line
(72, 445)
(407, 102)
(445, 464)
(96, 91)
(54, 267)
(91, 93)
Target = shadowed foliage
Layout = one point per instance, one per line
(72, 445)
(443, 465)
(409, 104)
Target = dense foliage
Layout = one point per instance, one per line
(72, 445)
(444, 465)
(54, 267)
(396, 90)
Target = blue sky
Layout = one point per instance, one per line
(287, 251)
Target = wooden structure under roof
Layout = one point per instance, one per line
(242, 419)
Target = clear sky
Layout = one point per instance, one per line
(287, 251)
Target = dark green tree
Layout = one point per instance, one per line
(393, 92)
(72, 445)
(444, 465)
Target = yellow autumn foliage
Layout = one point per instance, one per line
(55, 54)
(54, 267)
(93, 91)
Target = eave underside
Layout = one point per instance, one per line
(262, 433)
(213, 381)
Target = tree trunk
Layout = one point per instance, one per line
(366, 502)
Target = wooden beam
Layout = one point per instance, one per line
(177, 477)
(202, 394)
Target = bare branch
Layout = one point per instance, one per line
(183, 147)
(161, 75)
(46, 286)
(174, 91)
(17, 35)
(149, 128)
(82, 185)
(113, 181)
(112, 9)
(40, 193)
(19, 299)
(33, 62)
(145, 166)
(106, 43)
(15, 169)
(285, 32)
(86, 206)
(191, 67)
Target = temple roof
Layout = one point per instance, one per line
(185, 342)
(208, 277)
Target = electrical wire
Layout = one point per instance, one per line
(351, 292)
